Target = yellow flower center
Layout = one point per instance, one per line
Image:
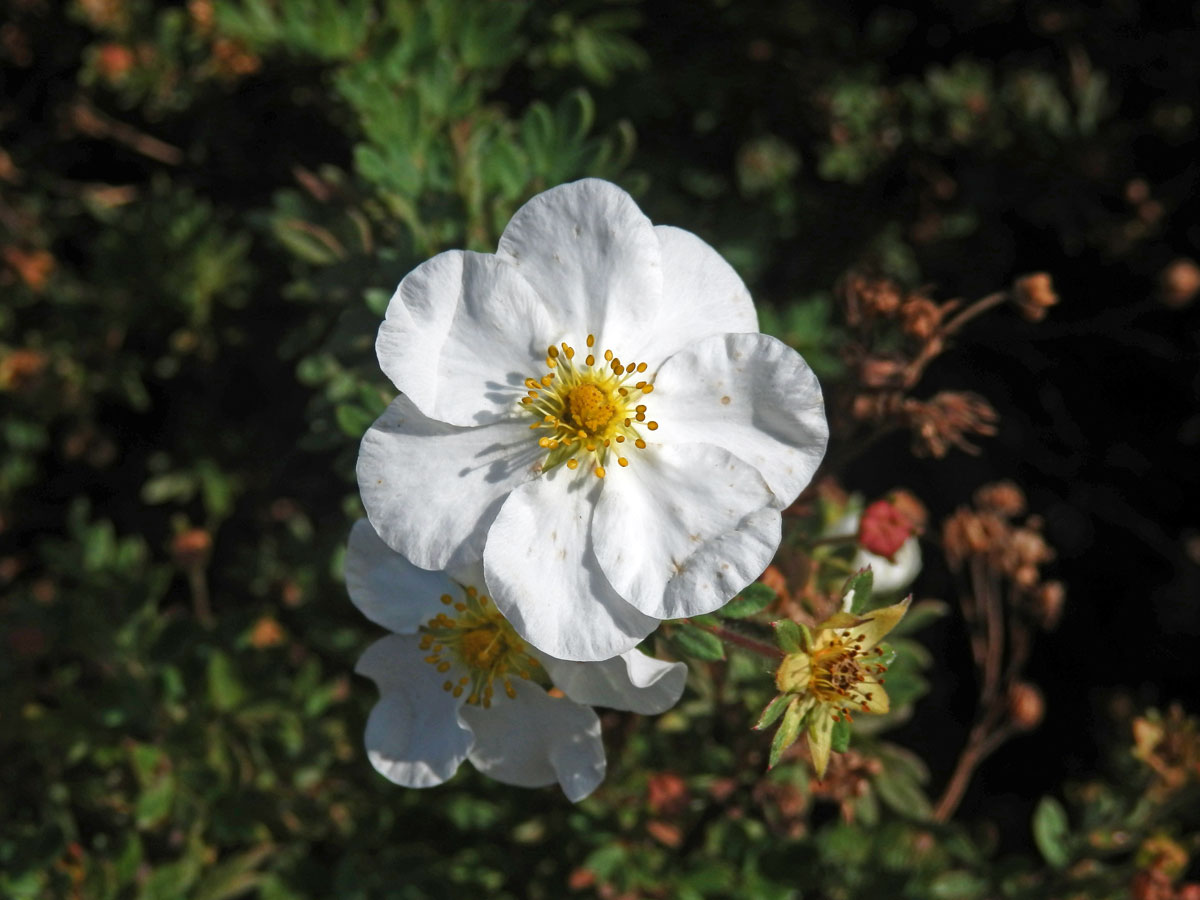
(842, 674)
(589, 409)
(481, 641)
(839, 673)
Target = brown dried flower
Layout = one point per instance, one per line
(947, 419)
(920, 317)
(1033, 295)
(1004, 497)
(863, 297)
(1026, 708)
(191, 548)
(1180, 283)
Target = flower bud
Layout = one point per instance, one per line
(1180, 283)
(1048, 604)
(1025, 706)
(1033, 295)
(190, 549)
(883, 529)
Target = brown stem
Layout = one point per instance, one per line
(935, 345)
(980, 745)
(201, 606)
(89, 120)
(740, 640)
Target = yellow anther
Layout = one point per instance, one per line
(457, 692)
(653, 426)
(620, 438)
(552, 351)
(640, 408)
(608, 355)
(641, 367)
(443, 666)
(548, 379)
(448, 686)
(640, 444)
(591, 342)
(646, 388)
(622, 461)
(570, 351)
(572, 464)
(447, 599)
(599, 471)
(590, 360)
(461, 607)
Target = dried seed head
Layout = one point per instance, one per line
(1180, 283)
(1004, 497)
(1033, 295)
(1026, 707)
(920, 317)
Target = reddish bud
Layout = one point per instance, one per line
(883, 529)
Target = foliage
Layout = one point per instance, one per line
(203, 210)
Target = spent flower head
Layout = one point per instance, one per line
(830, 674)
(593, 411)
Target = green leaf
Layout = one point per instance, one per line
(225, 690)
(861, 583)
(788, 731)
(154, 803)
(1052, 832)
(233, 877)
(841, 736)
(755, 598)
(957, 885)
(773, 711)
(920, 615)
(792, 636)
(902, 793)
(697, 643)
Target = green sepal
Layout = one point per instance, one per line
(792, 636)
(773, 711)
(754, 599)
(788, 731)
(841, 736)
(861, 583)
(697, 643)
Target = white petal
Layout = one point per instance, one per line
(414, 736)
(890, 577)
(751, 394)
(462, 333)
(678, 531)
(702, 296)
(632, 681)
(535, 739)
(432, 489)
(387, 588)
(545, 579)
(588, 250)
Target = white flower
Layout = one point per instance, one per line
(594, 411)
(456, 682)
